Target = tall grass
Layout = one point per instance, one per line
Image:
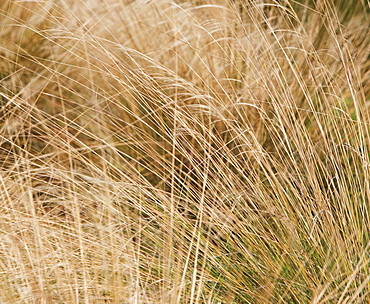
(209, 151)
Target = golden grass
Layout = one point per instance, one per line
(205, 151)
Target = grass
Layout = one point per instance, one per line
(184, 151)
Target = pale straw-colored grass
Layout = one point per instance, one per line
(184, 151)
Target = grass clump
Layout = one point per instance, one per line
(184, 151)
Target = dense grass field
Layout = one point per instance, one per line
(169, 151)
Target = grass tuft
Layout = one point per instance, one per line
(184, 151)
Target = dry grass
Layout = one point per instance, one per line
(167, 151)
